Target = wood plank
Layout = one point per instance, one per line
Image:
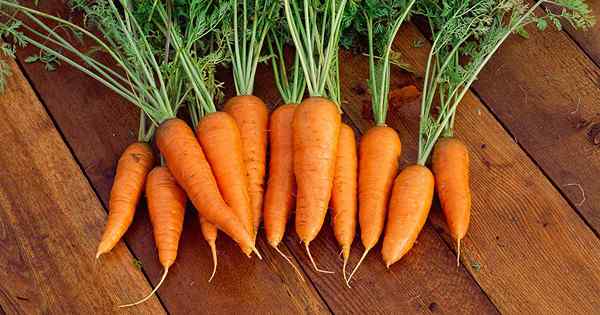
(550, 102)
(98, 125)
(50, 219)
(527, 248)
(588, 41)
(100, 132)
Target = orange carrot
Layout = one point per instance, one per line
(209, 232)
(186, 160)
(166, 205)
(380, 150)
(450, 163)
(344, 194)
(281, 186)
(219, 137)
(132, 168)
(408, 210)
(316, 128)
(252, 117)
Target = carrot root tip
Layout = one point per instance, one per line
(213, 250)
(164, 276)
(458, 253)
(289, 260)
(312, 260)
(346, 252)
(256, 252)
(358, 264)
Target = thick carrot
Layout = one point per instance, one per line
(210, 232)
(408, 210)
(316, 128)
(252, 117)
(219, 137)
(450, 163)
(166, 205)
(344, 193)
(379, 155)
(281, 186)
(132, 168)
(186, 160)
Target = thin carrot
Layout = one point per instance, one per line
(409, 207)
(316, 127)
(132, 168)
(186, 160)
(252, 117)
(281, 186)
(210, 232)
(220, 139)
(380, 150)
(166, 205)
(450, 163)
(344, 194)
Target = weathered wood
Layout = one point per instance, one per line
(550, 102)
(49, 222)
(527, 248)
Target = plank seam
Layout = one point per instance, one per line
(71, 152)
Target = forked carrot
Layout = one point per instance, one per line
(379, 155)
(166, 205)
(344, 194)
(132, 168)
(186, 160)
(409, 207)
(220, 139)
(209, 232)
(450, 164)
(252, 117)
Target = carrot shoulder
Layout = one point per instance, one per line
(410, 203)
(186, 160)
(132, 169)
(252, 117)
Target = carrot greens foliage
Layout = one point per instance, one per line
(465, 35)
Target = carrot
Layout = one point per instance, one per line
(219, 137)
(380, 150)
(344, 194)
(209, 232)
(408, 210)
(166, 205)
(450, 163)
(252, 117)
(132, 168)
(186, 160)
(281, 186)
(316, 127)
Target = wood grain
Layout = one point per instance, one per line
(49, 222)
(527, 248)
(550, 102)
(588, 41)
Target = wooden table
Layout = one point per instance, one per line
(532, 123)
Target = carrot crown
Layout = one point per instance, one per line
(247, 40)
(315, 27)
(466, 34)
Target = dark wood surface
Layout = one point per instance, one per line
(531, 248)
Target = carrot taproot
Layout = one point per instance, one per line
(344, 193)
(379, 153)
(210, 233)
(450, 164)
(166, 205)
(409, 207)
(252, 117)
(220, 139)
(186, 160)
(316, 128)
(132, 168)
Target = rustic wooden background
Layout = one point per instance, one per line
(532, 123)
